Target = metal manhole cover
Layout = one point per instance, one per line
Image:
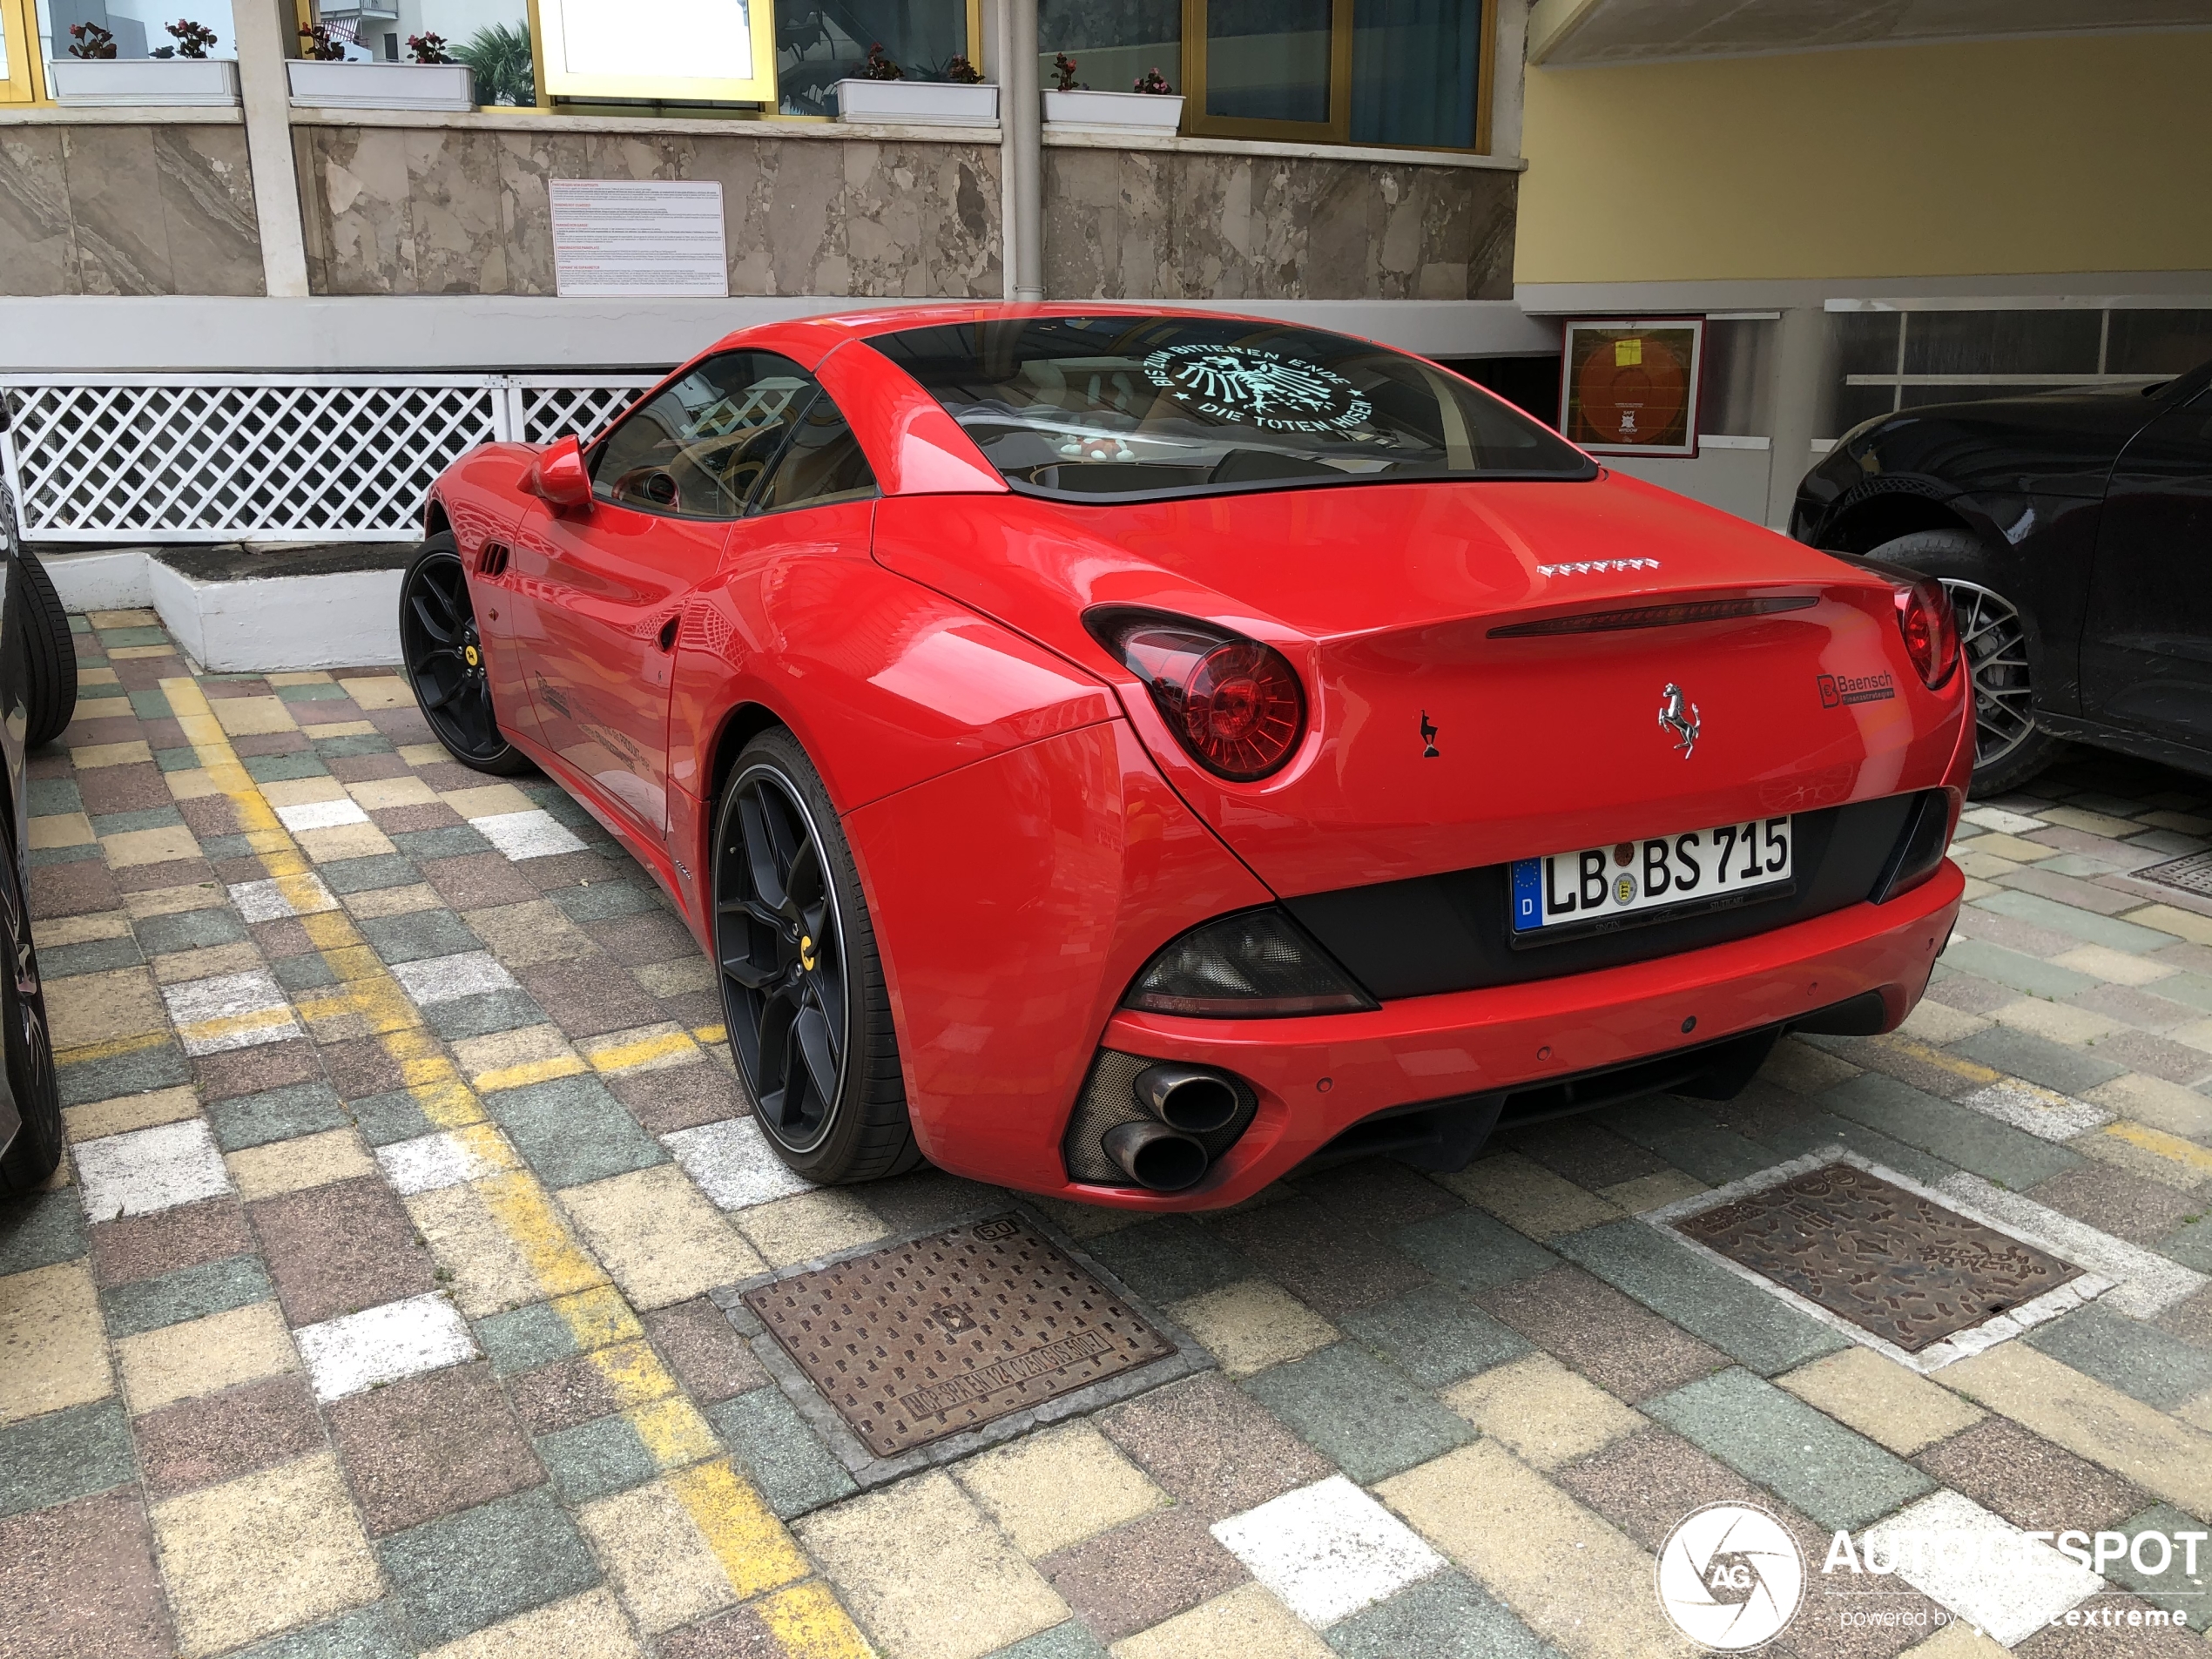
(1893, 1262)
(2191, 872)
(948, 1332)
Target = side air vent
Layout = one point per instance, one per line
(491, 559)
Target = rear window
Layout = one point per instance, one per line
(1122, 409)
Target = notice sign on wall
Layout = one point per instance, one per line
(637, 237)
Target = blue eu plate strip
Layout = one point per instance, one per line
(1527, 895)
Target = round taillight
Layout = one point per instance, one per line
(1931, 632)
(1242, 709)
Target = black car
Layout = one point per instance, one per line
(37, 697)
(2073, 530)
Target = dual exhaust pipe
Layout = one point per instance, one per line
(1162, 1150)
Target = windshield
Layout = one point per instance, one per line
(1135, 408)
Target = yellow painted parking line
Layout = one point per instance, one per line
(598, 1317)
(2187, 1153)
(707, 1035)
(630, 1056)
(519, 1204)
(530, 1071)
(1969, 1070)
(110, 1049)
(634, 1373)
(673, 1432)
(755, 1551)
(807, 1623)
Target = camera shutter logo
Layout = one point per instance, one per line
(1730, 1577)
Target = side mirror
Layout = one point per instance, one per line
(558, 477)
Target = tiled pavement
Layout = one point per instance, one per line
(376, 1312)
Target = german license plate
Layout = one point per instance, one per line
(1600, 884)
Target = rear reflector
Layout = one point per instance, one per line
(1257, 965)
(1677, 616)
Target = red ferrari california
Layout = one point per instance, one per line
(1125, 754)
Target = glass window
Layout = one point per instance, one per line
(821, 464)
(2001, 342)
(1139, 409)
(697, 449)
(2158, 342)
(1113, 42)
(819, 43)
(1416, 71)
(1269, 60)
(1737, 392)
(139, 26)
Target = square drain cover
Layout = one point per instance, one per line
(949, 1331)
(2191, 872)
(1896, 1264)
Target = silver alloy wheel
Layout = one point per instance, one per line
(1993, 640)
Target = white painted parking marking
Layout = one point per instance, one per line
(352, 1354)
(734, 1164)
(1327, 1550)
(534, 834)
(321, 814)
(2145, 1284)
(434, 1161)
(1996, 818)
(295, 895)
(446, 979)
(1981, 1566)
(2040, 1111)
(230, 1011)
(148, 1170)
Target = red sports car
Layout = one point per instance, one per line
(1126, 754)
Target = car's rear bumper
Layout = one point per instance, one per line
(1316, 1077)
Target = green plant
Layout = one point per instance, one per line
(90, 41)
(500, 55)
(192, 38)
(1064, 67)
(963, 72)
(319, 43)
(427, 48)
(1152, 81)
(881, 68)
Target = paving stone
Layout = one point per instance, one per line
(525, 1338)
(202, 1356)
(1891, 1405)
(1170, 1257)
(589, 995)
(1376, 1194)
(1330, 1266)
(427, 1446)
(231, 1072)
(261, 1554)
(601, 900)
(1583, 1150)
(1435, 1334)
(705, 1352)
(2139, 1359)
(1473, 1250)
(1212, 1447)
(1446, 1615)
(928, 1573)
(2072, 920)
(420, 935)
(1542, 1411)
(593, 1459)
(1057, 1487)
(482, 1014)
(188, 1294)
(785, 1459)
(2091, 1640)
(661, 1242)
(276, 1115)
(1620, 1344)
(1141, 1573)
(2117, 1201)
(460, 1573)
(1371, 1419)
(2173, 1587)
(1645, 1484)
(160, 1066)
(1070, 1641)
(81, 1579)
(64, 1455)
(2009, 1156)
(37, 1230)
(684, 1097)
(2004, 1584)
(2014, 970)
(1328, 1550)
(188, 930)
(1252, 1325)
(50, 1334)
(200, 1443)
(1836, 1477)
(1528, 1196)
(1690, 1138)
(573, 1131)
(341, 1248)
(149, 1169)
(1702, 1297)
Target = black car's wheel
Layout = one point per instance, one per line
(445, 661)
(37, 1146)
(49, 656)
(1995, 637)
(802, 987)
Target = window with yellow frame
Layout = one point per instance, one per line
(1406, 72)
(21, 79)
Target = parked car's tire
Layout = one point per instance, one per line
(30, 1050)
(803, 992)
(1997, 637)
(445, 662)
(49, 656)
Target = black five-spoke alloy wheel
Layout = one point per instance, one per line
(28, 1045)
(802, 988)
(445, 660)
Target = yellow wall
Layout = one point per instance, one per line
(2088, 153)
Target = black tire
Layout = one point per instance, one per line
(50, 654)
(803, 995)
(445, 664)
(36, 1148)
(1999, 642)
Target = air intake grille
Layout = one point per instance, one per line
(1109, 1097)
(492, 561)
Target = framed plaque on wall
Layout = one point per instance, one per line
(712, 50)
(1630, 387)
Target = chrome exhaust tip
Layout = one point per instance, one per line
(1187, 1099)
(1154, 1156)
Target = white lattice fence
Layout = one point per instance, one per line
(268, 457)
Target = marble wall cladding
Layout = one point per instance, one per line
(1175, 225)
(465, 210)
(102, 209)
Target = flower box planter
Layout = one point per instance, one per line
(146, 81)
(318, 85)
(1157, 113)
(928, 104)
